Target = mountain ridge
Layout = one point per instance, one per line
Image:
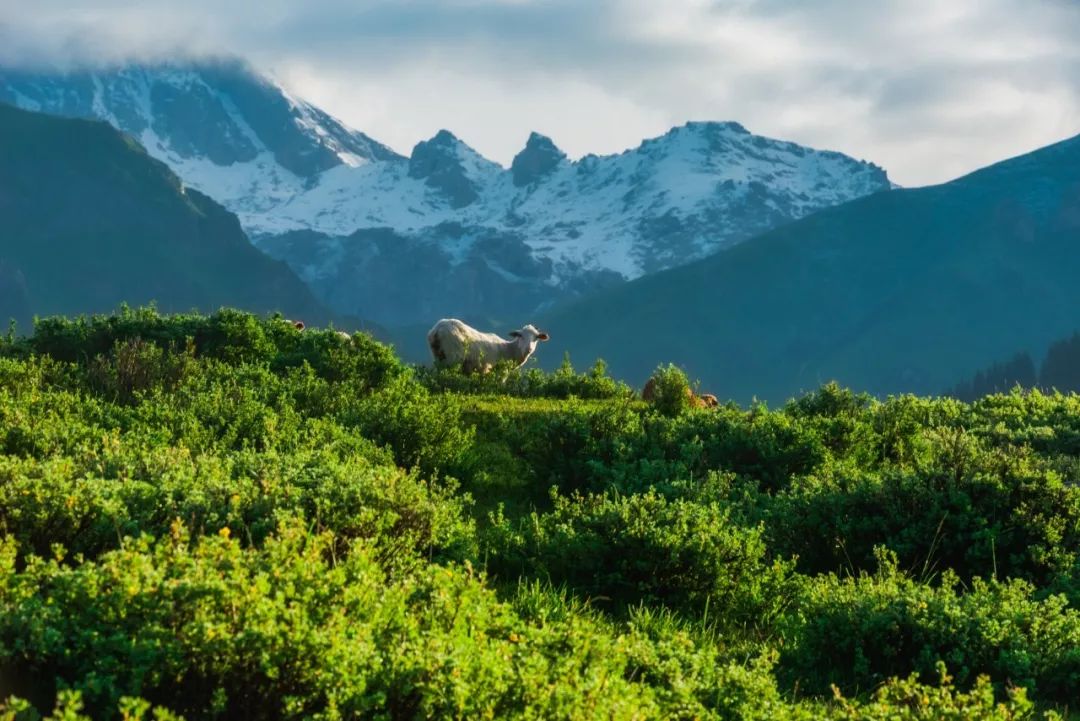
(283, 165)
(908, 291)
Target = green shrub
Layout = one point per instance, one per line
(287, 632)
(627, 446)
(250, 493)
(770, 448)
(908, 700)
(506, 379)
(423, 430)
(227, 335)
(967, 509)
(69, 707)
(858, 632)
(624, 551)
(841, 419)
(671, 392)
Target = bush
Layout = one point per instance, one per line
(671, 392)
(227, 335)
(967, 509)
(210, 629)
(135, 367)
(629, 447)
(422, 430)
(908, 700)
(623, 551)
(857, 632)
(251, 493)
(506, 379)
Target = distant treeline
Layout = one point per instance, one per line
(1060, 370)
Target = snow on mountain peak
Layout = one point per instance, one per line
(282, 164)
(226, 130)
(450, 166)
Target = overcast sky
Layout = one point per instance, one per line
(928, 89)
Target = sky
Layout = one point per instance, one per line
(927, 89)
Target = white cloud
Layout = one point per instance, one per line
(928, 89)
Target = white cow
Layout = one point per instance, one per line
(453, 342)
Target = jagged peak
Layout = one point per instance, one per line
(539, 157)
(453, 149)
(540, 140)
(445, 144)
(443, 138)
(447, 163)
(446, 139)
(722, 137)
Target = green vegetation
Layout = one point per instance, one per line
(670, 390)
(222, 516)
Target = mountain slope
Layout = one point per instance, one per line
(290, 172)
(226, 131)
(904, 291)
(88, 221)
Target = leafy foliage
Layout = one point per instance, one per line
(643, 549)
(213, 516)
(857, 632)
(507, 380)
(670, 390)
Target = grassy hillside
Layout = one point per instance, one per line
(906, 291)
(88, 220)
(223, 517)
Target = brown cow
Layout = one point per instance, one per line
(705, 400)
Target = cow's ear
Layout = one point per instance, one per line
(299, 325)
(543, 336)
(515, 334)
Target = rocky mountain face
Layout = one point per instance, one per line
(487, 275)
(89, 221)
(446, 231)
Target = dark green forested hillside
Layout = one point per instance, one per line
(225, 517)
(88, 220)
(905, 291)
(1059, 371)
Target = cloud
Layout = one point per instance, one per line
(927, 89)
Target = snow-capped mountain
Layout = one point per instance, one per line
(225, 130)
(312, 191)
(673, 199)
